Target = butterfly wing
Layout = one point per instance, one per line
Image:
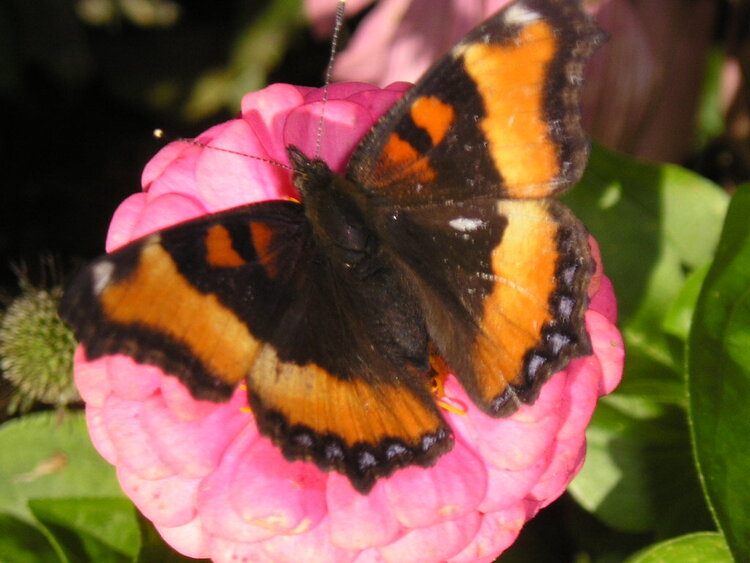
(497, 116)
(458, 172)
(503, 286)
(171, 299)
(245, 295)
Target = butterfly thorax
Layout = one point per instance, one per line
(348, 250)
(334, 211)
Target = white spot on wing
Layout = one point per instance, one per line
(101, 274)
(467, 224)
(458, 50)
(518, 14)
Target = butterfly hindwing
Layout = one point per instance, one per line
(363, 426)
(498, 115)
(532, 322)
(509, 311)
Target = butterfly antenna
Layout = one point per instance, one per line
(329, 71)
(160, 134)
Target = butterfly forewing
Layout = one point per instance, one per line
(498, 115)
(194, 299)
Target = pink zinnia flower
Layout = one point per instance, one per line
(215, 488)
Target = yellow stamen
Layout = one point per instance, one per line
(450, 408)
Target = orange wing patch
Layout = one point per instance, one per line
(219, 251)
(434, 116)
(155, 296)
(262, 236)
(401, 163)
(399, 153)
(518, 307)
(361, 428)
(510, 80)
(401, 158)
(352, 409)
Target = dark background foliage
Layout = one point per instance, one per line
(80, 97)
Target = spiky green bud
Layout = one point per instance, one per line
(36, 349)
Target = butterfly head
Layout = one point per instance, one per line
(310, 175)
(332, 205)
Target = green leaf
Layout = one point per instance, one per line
(655, 225)
(22, 543)
(94, 530)
(704, 547)
(563, 531)
(639, 475)
(679, 318)
(719, 379)
(647, 217)
(49, 455)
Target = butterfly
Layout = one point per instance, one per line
(439, 245)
